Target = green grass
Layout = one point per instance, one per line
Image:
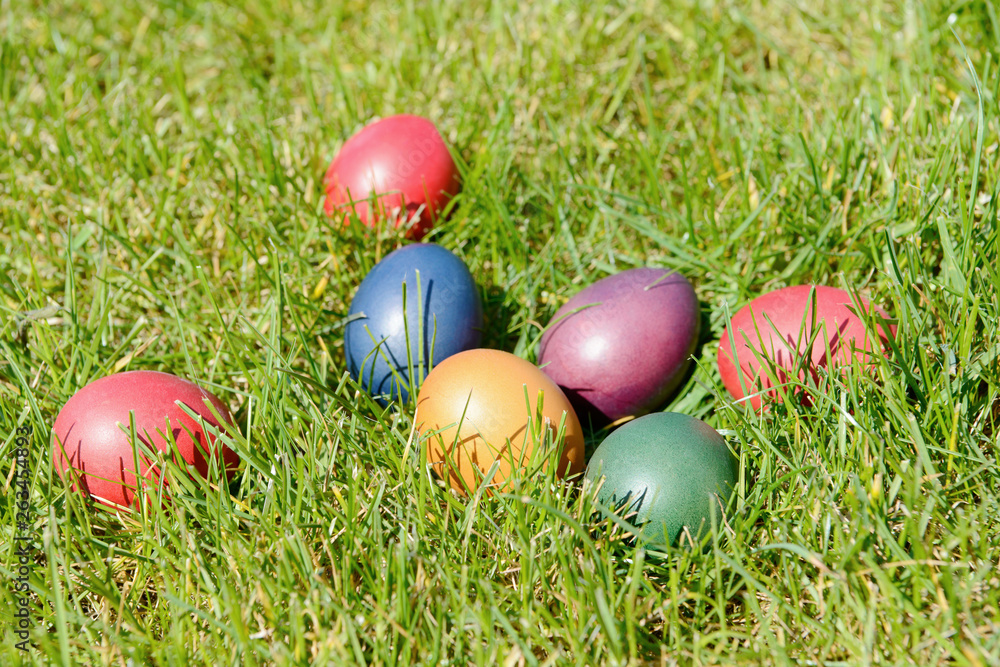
(161, 207)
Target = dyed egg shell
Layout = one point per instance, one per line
(472, 411)
(400, 164)
(662, 474)
(626, 346)
(91, 442)
(441, 315)
(783, 335)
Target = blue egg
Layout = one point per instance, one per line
(388, 335)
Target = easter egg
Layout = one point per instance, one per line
(388, 334)
(480, 407)
(92, 445)
(663, 474)
(396, 169)
(621, 346)
(790, 334)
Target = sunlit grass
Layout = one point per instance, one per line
(160, 192)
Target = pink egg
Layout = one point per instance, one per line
(91, 445)
(783, 335)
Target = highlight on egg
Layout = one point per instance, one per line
(782, 339)
(621, 346)
(92, 445)
(478, 418)
(414, 309)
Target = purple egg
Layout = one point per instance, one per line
(626, 347)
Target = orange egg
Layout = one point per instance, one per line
(473, 411)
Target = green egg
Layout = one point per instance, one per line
(662, 474)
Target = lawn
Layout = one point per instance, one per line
(162, 208)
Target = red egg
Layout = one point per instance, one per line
(397, 169)
(792, 333)
(91, 441)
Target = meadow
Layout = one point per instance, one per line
(161, 208)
